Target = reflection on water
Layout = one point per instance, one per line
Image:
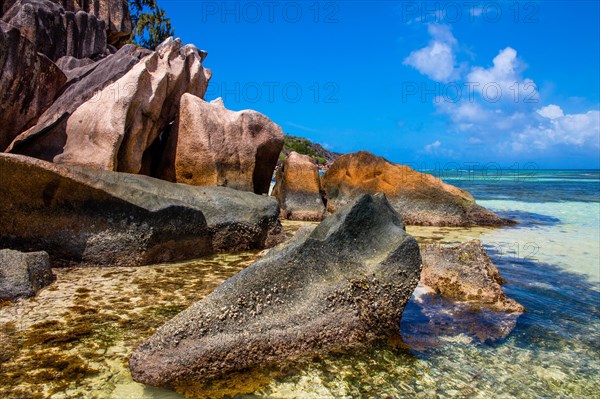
(73, 340)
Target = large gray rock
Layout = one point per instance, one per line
(57, 33)
(420, 198)
(94, 217)
(465, 273)
(342, 285)
(298, 189)
(23, 274)
(29, 83)
(136, 109)
(47, 138)
(213, 146)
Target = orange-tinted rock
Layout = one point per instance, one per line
(298, 189)
(421, 199)
(465, 273)
(213, 146)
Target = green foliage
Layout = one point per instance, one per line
(300, 145)
(150, 24)
(305, 147)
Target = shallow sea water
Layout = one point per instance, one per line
(74, 338)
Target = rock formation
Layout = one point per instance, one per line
(94, 217)
(57, 33)
(465, 273)
(23, 274)
(420, 198)
(340, 286)
(113, 13)
(136, 109)
(47, 138)
(213, 146)
(29, 83)
(298, 189)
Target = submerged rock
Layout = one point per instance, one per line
(421, 199)
(29, 83)
(465, 273)
(136, 109)
(23, 274)
(94, 217)
(213, 146)
(298, 189)
(342, 285)
(430, 320)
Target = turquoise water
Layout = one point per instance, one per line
(551, 262)
(558, 211)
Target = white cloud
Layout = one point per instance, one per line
(503, 81)
(429, 148)
(516, 121)
(570, 129)
(551, 112)
(437, 60)
(437, 149)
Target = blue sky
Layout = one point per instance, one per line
(423, 83)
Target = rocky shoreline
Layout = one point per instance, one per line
(98, 329)
(111, 158)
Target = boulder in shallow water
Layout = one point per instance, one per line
(93, 217)
(465, 273)
(298, 189)
(23, 274)
(343, 284)
(213, 146)
(421, 199)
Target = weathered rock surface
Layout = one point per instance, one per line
(29, 82)
(136, 109)
(23, 274)
(95, 217)
(420, 198)
(465, 273)
(47, 138)
(5, 5)
(57, 33)
(342, 285)
(115, 13)
(213, 146)
(69, 63)
(298, 189)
